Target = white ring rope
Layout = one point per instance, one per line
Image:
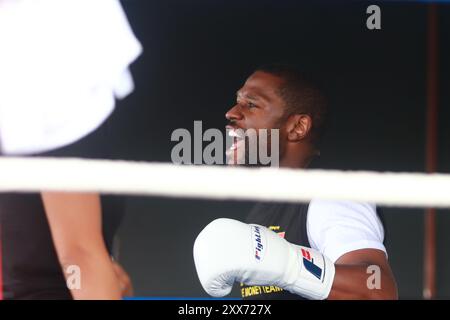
(222, 182)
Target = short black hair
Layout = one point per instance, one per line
(302, 95)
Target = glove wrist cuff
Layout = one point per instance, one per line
(315, 274)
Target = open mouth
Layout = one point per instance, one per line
(238, 137)
(236, 134)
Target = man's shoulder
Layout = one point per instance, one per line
(326, 210)
(337, 227)
(333, 205)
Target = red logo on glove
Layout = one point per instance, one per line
(306, 254)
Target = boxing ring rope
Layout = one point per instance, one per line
(222, 182)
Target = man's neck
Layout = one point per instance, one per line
(294, 161)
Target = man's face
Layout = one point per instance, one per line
(258, 106)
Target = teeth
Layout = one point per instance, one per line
(235, 133)
(232, 133)
(236, 150)
(236, 145)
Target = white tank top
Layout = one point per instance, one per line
(62, 64)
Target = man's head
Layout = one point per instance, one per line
(281, 97)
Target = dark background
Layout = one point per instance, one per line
(198, 53)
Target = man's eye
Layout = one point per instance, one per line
(251, 105)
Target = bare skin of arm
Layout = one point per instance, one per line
(125, 284)
(76, 228)
(351, 278)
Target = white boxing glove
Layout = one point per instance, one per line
(228, 250)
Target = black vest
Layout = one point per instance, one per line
(31, 269)
(289, 221)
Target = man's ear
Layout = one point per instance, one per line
(298, 127)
